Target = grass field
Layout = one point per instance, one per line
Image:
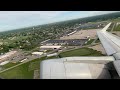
(20, 72)
(89, 42)
(117, 28)
(9, 65)
(24, 71)
(52, 57)
(115, 20)
(81, 52)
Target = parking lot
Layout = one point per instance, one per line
(82, 34)
(73, 42)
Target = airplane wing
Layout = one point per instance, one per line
(110, 42)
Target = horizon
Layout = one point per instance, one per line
(11, 20)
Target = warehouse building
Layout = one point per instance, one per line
(53, 54)
(71, 42)
(37, 53)
(50, 47)
(8, 56)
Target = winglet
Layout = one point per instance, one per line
(106, 27)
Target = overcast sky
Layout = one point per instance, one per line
(18, 19)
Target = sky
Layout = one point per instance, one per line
(10, 20)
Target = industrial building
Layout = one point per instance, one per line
(7, 56)
(72, 42)
(37, 53)
(53, 54)
(50, 47)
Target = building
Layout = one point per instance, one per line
(7, 56)
(71, 42)
(37, 53)
(53, 54)
(3, 63)
(50, 47)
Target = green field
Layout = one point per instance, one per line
(81, 52)
(24, 71)
(9, 65)
(117, 28)
(20, 72)
(52, 57)
(89, 42)
(115, 20)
